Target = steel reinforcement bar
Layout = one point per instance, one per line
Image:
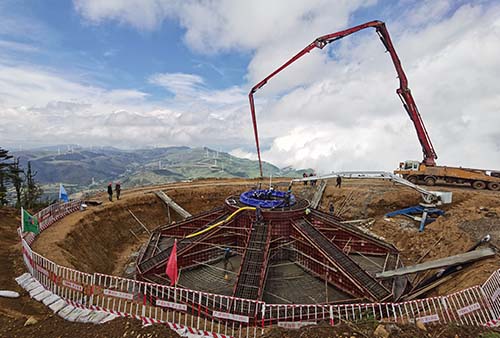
(359, 276)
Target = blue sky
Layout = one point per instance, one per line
(116, 55)
(143, 73)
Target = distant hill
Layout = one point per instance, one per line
(90, 168)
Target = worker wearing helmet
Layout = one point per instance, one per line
(118, 190)
(110, 191)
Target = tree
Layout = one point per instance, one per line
(4, 165)
(4, 156)
(32, 190)
(3, 190)
(17, 180)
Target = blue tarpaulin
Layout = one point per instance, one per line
(266, 198)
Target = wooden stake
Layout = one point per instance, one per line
(133, 233)
(429, 250)
(422, 257)
(138, 221)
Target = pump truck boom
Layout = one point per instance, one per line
(403, 91)
(414, 171)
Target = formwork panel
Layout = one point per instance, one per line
(280, 242)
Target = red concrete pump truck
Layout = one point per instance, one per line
(426, 171)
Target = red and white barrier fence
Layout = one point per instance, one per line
(45, 271)
(491, 290)
(27, 254)
(75, 285)
(224, 316)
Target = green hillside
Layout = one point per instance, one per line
(90, 169)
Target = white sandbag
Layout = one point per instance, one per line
(9, 294)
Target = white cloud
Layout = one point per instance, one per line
(178, 83)
(272, 30)
(16, 46)
(42, 106)
(334, 109)
(238, 152)
(141, 14)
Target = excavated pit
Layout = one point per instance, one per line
(81, 240)
(99, 239)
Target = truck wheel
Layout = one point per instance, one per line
(495, 186)
(430, 181)
(412, 179)
(478, 185)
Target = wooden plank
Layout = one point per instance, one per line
(170, 202)
(439, 263)
(318, 194)
(427, 288)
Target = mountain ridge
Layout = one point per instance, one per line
(81, 168)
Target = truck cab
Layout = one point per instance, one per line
(409, 165)
(410, 170)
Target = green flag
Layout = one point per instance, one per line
(30, 223)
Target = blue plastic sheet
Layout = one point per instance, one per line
(266, 198)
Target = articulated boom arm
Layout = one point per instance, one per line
(403, 91)
(434, 197)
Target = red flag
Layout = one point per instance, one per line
(171, 270)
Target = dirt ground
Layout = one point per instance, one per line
(83, 238)
(15, 312)
(371, 329)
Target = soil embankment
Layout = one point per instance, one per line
(99, 240)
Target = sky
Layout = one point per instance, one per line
(150, 73)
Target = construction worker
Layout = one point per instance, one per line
(287, 198)
(339, 181)
(118, 190)
(312, 181)
(288, 195)
(269, 193)
(110, 191)
(304, 175)
(258, 213)
(227, 255)
(331, 208)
